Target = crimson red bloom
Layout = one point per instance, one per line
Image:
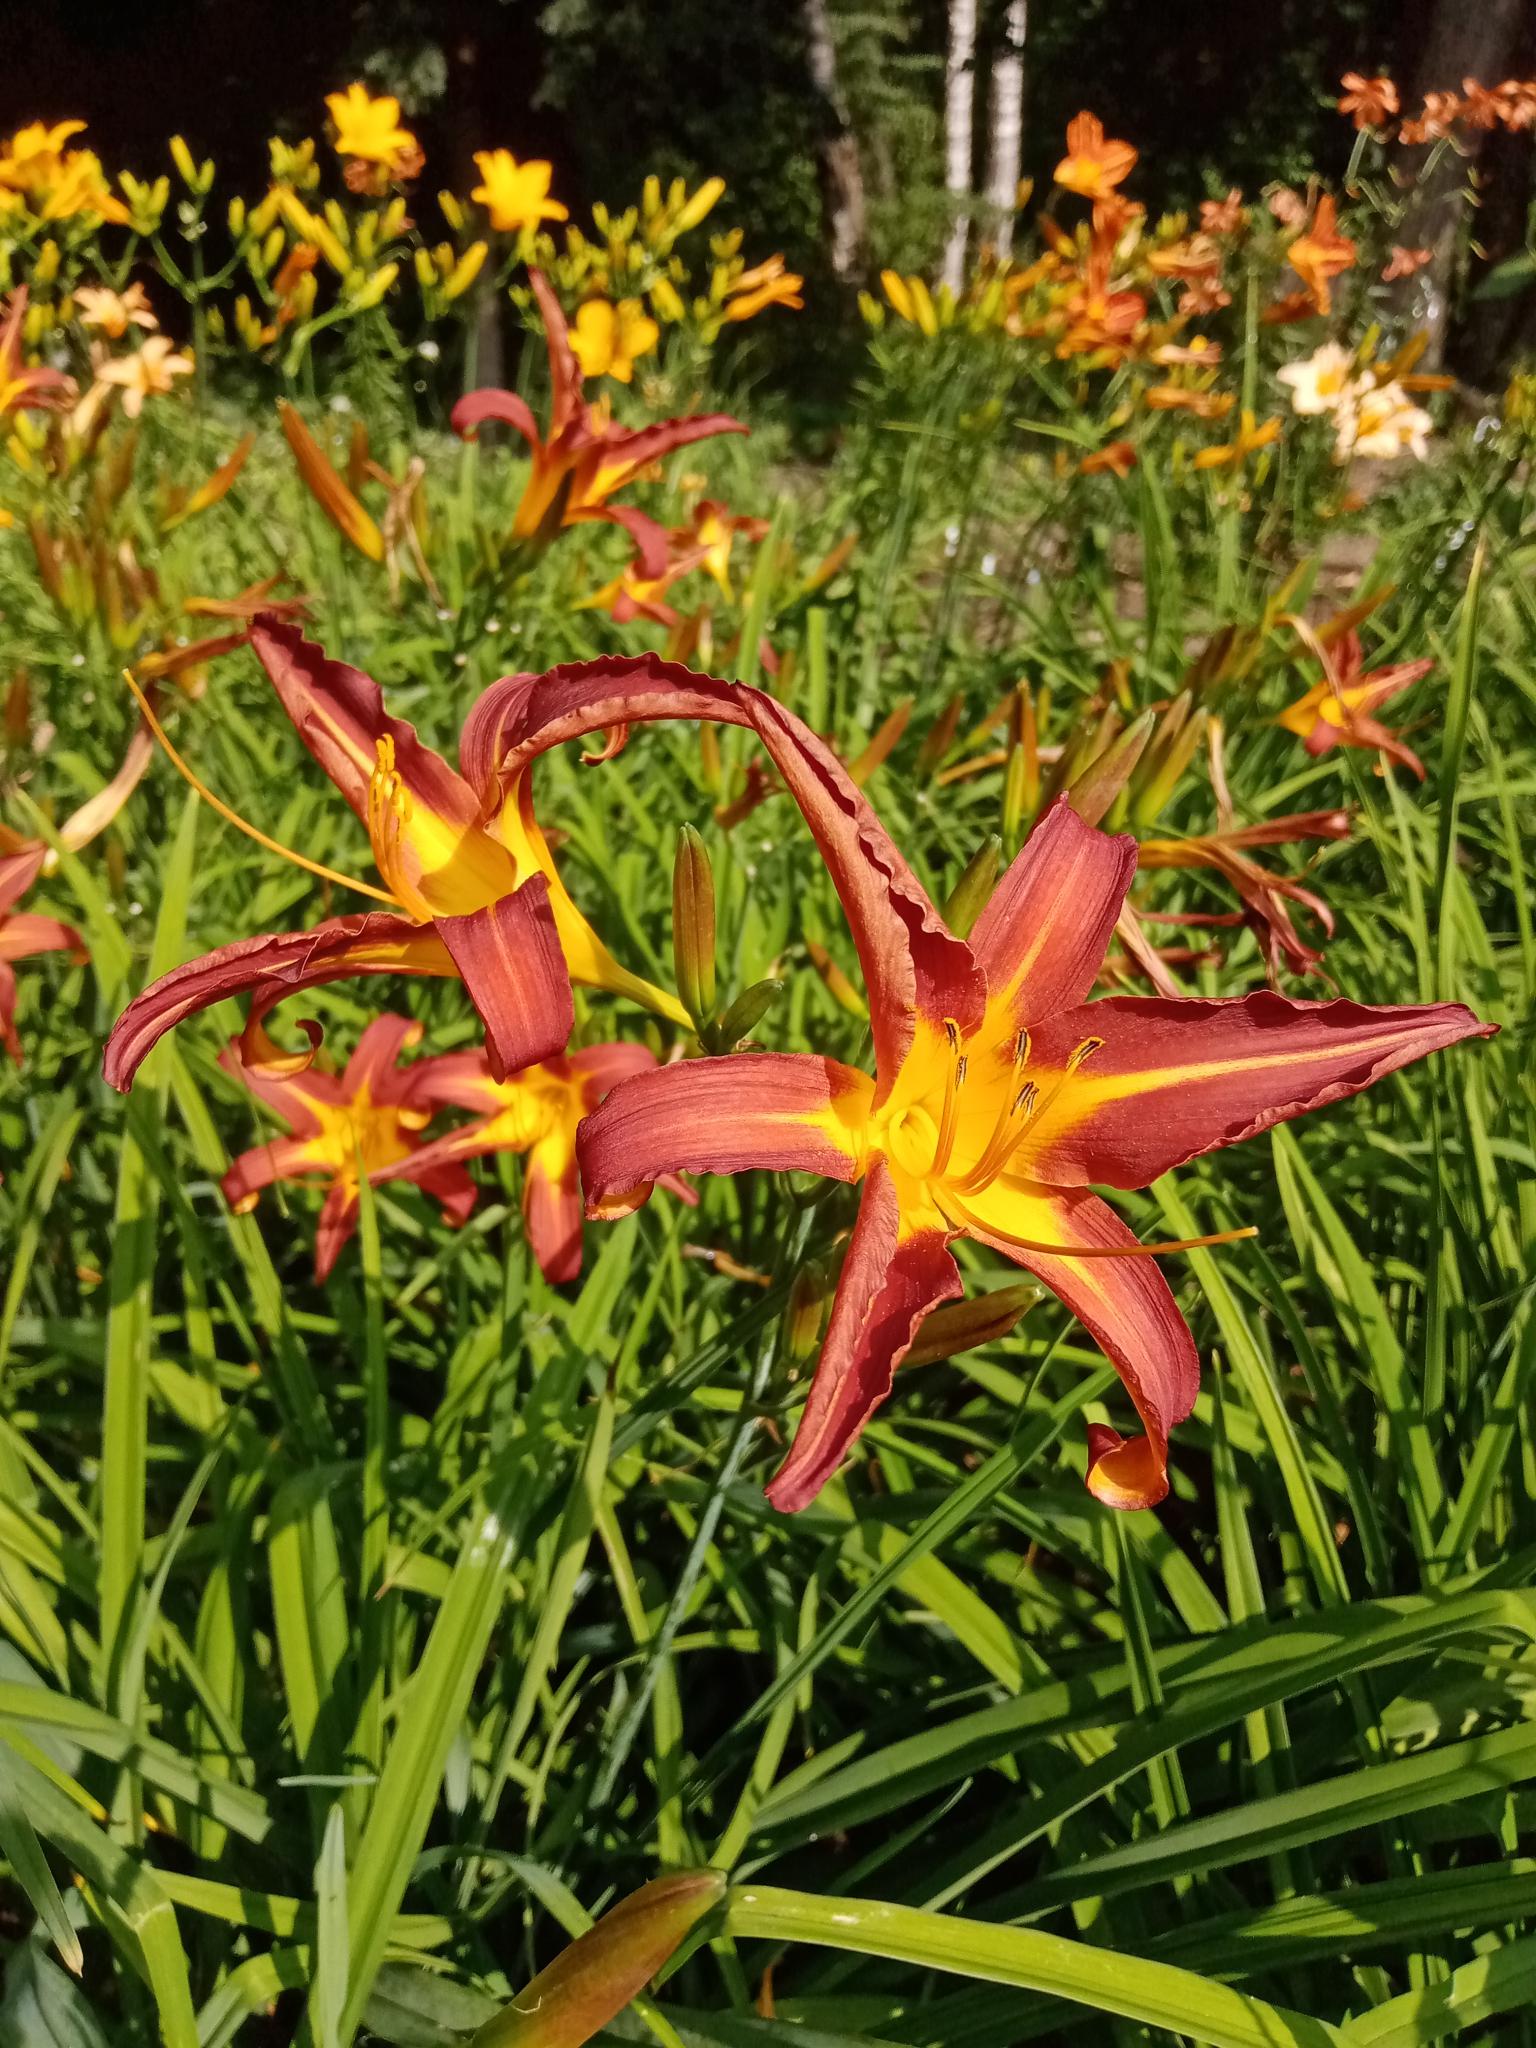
(471, 888)
(1338, 711)
(585, 458)
(536, 1112)
(999, 1094)
(366, 1119)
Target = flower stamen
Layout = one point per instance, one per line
(954, 1081)
(299, 860)
(389, 812)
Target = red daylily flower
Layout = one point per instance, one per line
(537, 1112)
(470, 885)
(704, 543)
(1337, 712)
(999, 1091)
(24, 933)
(368, 1118)
(1266, 896)
(585, 458)
(25, 387)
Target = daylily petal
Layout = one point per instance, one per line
(476, 407)
(912, 963)
(18, 871)
(1172, 1079)
(292, 1092)
(445, 1180)
(8, 1034)
(1042, 938)
(1126, 1306)
(564, 370)
(648, 534)
(794, 1112)
(647, 444)
(892, 1276)
(373, 1062)
(25, 932)
(552, 1209)
(270, 967)
(278, 1159)
(422, 817)
(338, 1220)
(508, 956)
(603, 1067)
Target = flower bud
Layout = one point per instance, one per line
(181, 157)
(805, 1313)
(1100, 784)
(377, 285)
(747, 1012)
(693, 925)
(590, 1982)
(971, 893)
(466, 270)
(965, 1325)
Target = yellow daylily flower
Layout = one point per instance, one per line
(515, 195)
(369, 128)
(608, 339)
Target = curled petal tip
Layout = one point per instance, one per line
(1124, 1472)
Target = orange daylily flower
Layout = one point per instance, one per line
(58, 183)
(1338, 711)
(1320, 253)
(368, 127)
(705, 543)
(536, 1111)
(368, 1119)
(768, 284)
(1370, 100)
(585, 458)
(1405, 263)
(1115, 458)
(1482, 106)
(1249, 439)
(1434, 121)
(1000, 1094)
(515, 195)
(1518, 97)
(1223, 216)
(1093, 166)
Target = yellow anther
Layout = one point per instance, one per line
(1085, 1051)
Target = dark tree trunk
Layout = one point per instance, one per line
(842, 174)
(1456, 40)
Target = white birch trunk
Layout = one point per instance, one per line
(959, 100)
(1005, 137)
